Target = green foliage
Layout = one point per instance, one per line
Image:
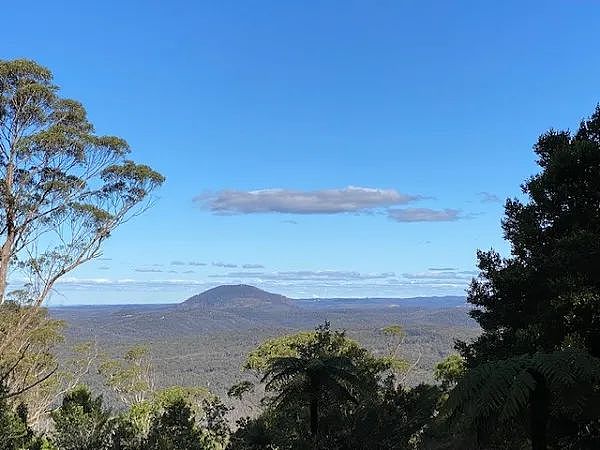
(215, 426)
(252, 434)
(502, 395)
(533, 371)
(175, 429)
(394, 419)
(449, 371)
(548, 291)
(14, 432)
(321, 341)
(29, 366)
(258, 359)
(501, 390)
(58, 178)
(81, 422)
(330, 394)
(131, 377)
(239, 389)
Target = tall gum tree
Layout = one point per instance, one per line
(63, 188)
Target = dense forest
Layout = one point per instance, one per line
(530, 379)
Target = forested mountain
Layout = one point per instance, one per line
(237, 296)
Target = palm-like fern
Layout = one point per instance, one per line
(312, 380)
(541, 384)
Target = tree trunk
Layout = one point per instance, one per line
(539, 412)
(7, 247)
(5, 255)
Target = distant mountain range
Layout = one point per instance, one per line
(208, 336)
(243, 296)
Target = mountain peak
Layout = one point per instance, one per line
(237, 296)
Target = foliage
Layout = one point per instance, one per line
(29, 367)
(395, 418)
(131, 377)
(63, 191)
(64, 188)
(533, 372)
(14, 432)
(81, 422)
(449, 371)
(547, 293)
(24, 362)
(550, 387)
(175, 429)
(239, 389)
(330, 394)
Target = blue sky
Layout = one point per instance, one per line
(333, 148)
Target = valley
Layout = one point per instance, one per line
(204, 341)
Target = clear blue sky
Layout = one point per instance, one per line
(428, 110)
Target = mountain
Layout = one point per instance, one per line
(238, 296)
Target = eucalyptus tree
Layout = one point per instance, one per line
(63, 190)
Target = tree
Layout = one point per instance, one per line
(546, 295)
(130, 377)
(394, 418)
(449, 371)
(63, 188)
(399, 366)
(81, 422)
(30, 368)
(27, 364)
(14, 432)
(313, 378)
(532, 389)
(175, 429)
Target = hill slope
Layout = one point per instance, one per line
(237, 296)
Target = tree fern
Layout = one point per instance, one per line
(501, 392)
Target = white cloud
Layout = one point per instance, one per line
(326, 201)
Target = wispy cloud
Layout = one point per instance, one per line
(442, 269)
(326, 201)
(177, 263)
(334, 286)
(148, 270)
(103, 268)
(225, 265)
(253, 266)
(488, 197)
(102, 282)
(436, 275)
(188, 272)
(424, 215)
(196, 263)
(305, 275)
